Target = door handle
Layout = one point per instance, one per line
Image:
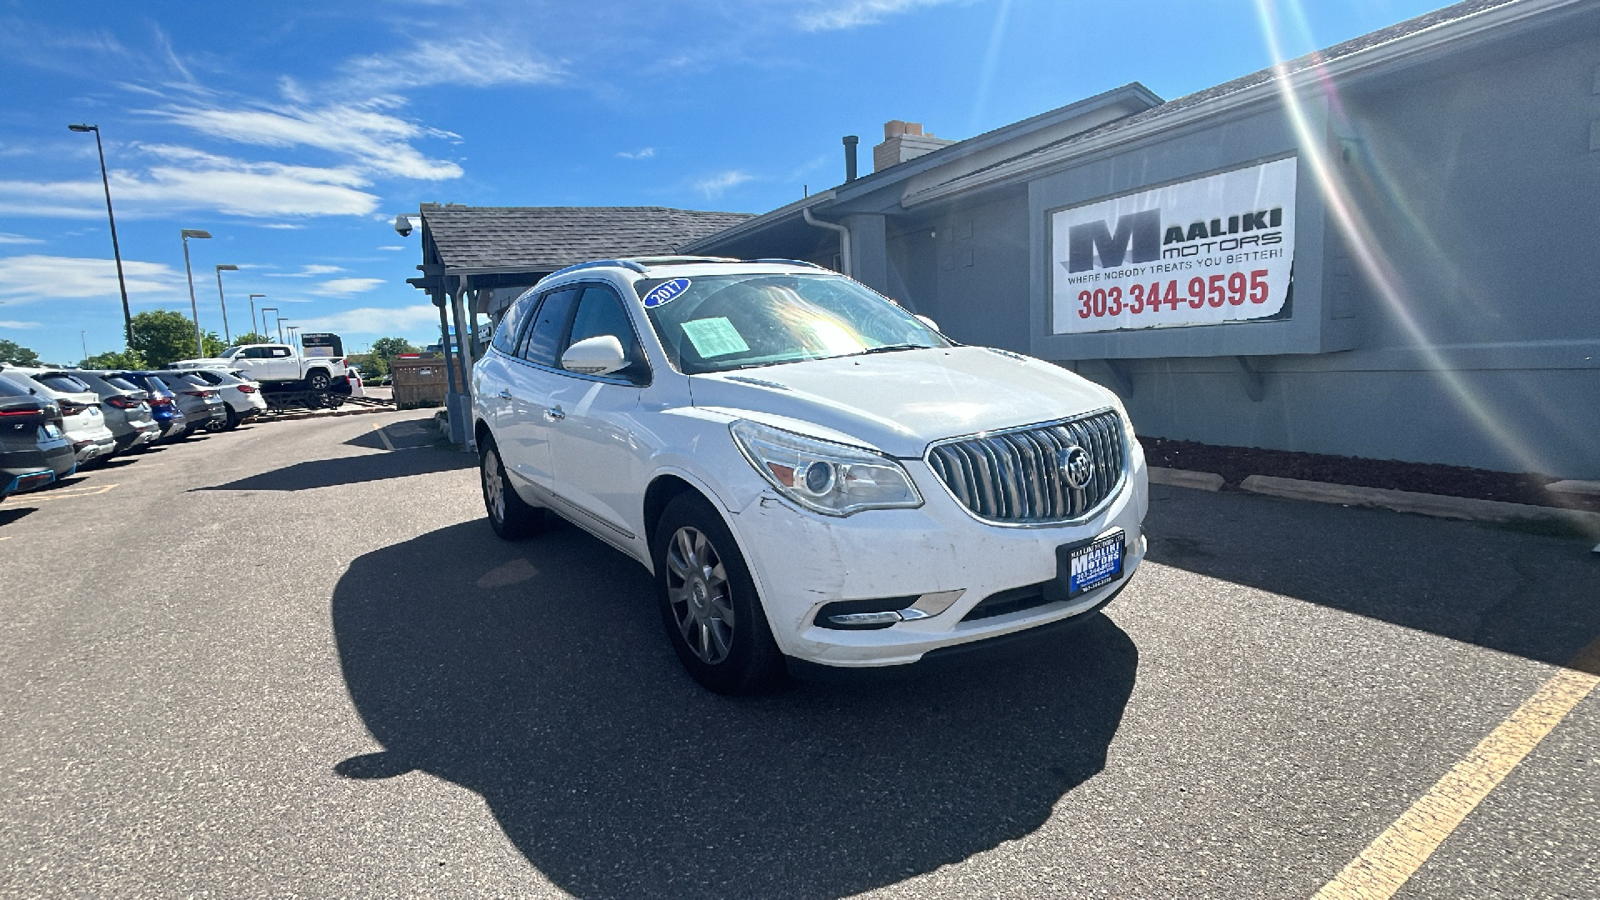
(505, 394)
(554, 414)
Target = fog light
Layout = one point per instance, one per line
(865, 620)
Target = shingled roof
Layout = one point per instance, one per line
(545, 238)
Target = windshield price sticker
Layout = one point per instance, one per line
(665, 293)
(714, 337)
(1206, 251)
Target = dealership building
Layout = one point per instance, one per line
(1388, 249)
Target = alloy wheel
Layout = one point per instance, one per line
(699, 593)
(494, 487)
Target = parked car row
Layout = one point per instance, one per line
(54, 420)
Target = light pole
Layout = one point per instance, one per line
(253, 313)
(264, 311)
(294, 337)
(116, 251)
(199, 346)
(84, 337)
(279, 322)
(226, 334)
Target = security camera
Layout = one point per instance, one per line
(402, 225)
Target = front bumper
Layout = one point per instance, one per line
(803, 561)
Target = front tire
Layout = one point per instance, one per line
(709, 605)
(511, 517)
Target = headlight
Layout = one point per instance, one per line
(832, 479)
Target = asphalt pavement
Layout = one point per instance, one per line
(292, 660)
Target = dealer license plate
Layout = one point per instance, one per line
(1095, 563)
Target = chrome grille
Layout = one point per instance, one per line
(1015, 477)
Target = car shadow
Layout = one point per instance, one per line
(319, 473)
(537, 676)
(10, 513)
(1516, 592)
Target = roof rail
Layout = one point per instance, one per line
(596, 263)
(790, 262)
(680, 260)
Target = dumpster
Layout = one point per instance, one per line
(422, 381)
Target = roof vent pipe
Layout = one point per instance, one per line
(850, 142)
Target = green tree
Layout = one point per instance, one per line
(162, 336)
(383, 351)
(253, 337)
(114, 359)
(17, 355)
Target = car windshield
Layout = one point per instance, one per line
(716, 323)
(231, 352)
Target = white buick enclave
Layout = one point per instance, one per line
(814, 474)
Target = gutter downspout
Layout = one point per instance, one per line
(844, 239)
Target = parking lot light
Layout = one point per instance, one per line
(253, 313)
(116, 251)
(225, 267)
(194, 307)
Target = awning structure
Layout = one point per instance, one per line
(493, 253)
(477, 259)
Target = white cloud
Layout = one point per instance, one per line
(306, 272)
(376, 142)
(715, 185)
(420, 317)
(343, 287)
(392, 247)
(641, 153)
(466, 61)
(837, 15)
(17, 239)
(37, 277)
(212, 183)
(11, 323)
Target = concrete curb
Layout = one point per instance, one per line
(1202, 481)
(1425, 504)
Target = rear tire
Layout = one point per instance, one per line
(511, 517)
(709, 605)
(233, 420)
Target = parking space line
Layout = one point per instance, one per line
(1396, 854)
(74, 494)
(383, 436)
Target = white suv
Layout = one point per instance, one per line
(814, 474)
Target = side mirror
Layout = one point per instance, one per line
(600, 355)
(929, 322)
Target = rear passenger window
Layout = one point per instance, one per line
(66, 384)
(505, 337)
(549, 326)
(120, 383)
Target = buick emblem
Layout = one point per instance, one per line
(1076, 466)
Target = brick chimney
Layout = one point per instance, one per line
(903, 141)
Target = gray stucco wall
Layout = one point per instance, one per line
(1475, 340)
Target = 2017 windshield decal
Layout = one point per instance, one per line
(665, 293)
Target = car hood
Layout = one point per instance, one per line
(900, 402)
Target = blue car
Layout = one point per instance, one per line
(163, 403)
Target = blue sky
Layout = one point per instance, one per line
(296, 132)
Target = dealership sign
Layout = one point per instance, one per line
(1200, 252)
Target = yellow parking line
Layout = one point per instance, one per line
(70, 493)
(382, 436)
(1390, 860)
